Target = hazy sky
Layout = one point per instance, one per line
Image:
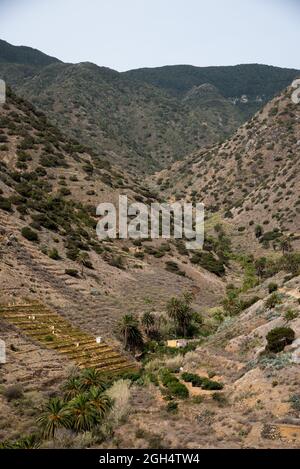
(126, 34)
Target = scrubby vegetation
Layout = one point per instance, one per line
(173, 385)
(279, 338)
(204, 383)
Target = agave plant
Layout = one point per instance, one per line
(83, 413)
(55, 415)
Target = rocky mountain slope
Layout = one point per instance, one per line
(142, 119)
(251, 179)
(50, 188)
(249, 86)
(236, 386)
(259, 404)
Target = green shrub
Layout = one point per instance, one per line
(72, 272)
(117, 261)
(271, 236)
(5, 204)
(139, 255)
(290, 315)
(178, 389)
(220, 398)
(49, 338)
(134, 376)
(258, 231)
(279, 338)
(173, 267)
(192, 378)
(172, 407)
(204, 383)
(173, 385)
(13, 392)
(29, 234)
(272, 287)
(209, 262)
(295, 402)
(273, 301)
(53, 254)
(210, 385)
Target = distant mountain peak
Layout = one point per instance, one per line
(23, 55)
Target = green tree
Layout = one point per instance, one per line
(148, 321)
(92, 377)
(72, 387)
(83, 413)
(100, 401)
(279, 338)
(129, 330)
(54, 416)
(180, 311)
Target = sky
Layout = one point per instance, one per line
(128, 34)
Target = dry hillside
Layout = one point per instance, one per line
(252, 178)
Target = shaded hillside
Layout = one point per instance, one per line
(23, 55)
(136, 124)
(249, 85)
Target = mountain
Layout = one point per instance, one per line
(50, 187)
(24, 55)
(135, 119)
(249, 86)
(78, 314)
(251, 179)
(132, 123)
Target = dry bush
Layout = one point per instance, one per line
(66, 439)
(191, 361)
(174, 363)
(120, 394)
(154, 365)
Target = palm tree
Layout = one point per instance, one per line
(180, 311)
(55, 415)
(92, 377)
(129, 329)
(148, 321)
(72, 387)
(83, 413)
(100, 401)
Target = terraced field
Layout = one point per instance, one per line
(53, 332)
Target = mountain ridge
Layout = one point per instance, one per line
(140, 122)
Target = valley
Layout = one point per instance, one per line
(90, 325)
